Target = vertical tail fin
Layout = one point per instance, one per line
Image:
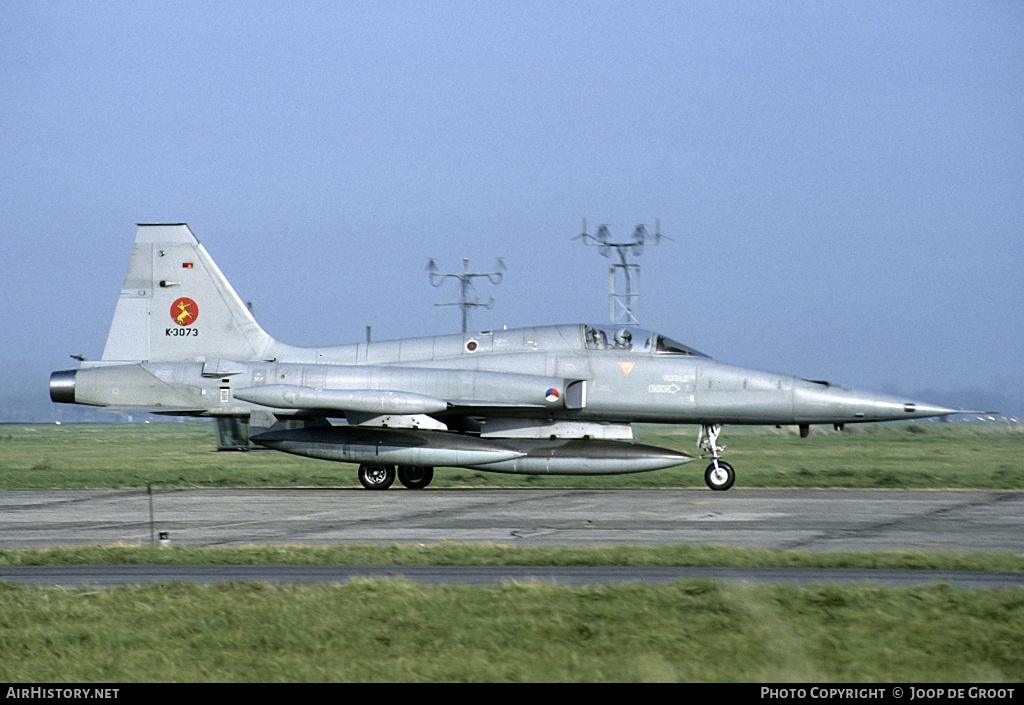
(177, 305)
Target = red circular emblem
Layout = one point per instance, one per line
(184, 311)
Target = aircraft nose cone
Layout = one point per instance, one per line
(819, 402)
(916, 409)
(883, 407)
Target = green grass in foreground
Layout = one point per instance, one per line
(462, 554)
(900, 455)
(397, 631)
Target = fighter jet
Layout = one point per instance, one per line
(553, 400)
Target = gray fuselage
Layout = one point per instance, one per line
(554, 372)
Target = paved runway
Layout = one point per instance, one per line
(809, 520)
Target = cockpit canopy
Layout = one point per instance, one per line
(630, 338)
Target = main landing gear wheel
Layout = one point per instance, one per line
(720, 476)
(376, 477)
(413, 477)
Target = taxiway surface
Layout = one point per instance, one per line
(809, 520)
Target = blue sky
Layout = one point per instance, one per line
(843, 182)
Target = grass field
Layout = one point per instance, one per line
(925, 455)
(398, 631)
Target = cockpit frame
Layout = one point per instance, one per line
(632, 339)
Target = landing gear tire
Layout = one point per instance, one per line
(376, 477)
(720, 478)
(415, 478)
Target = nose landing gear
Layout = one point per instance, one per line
(719, 475)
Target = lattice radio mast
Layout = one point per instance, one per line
(623, 308)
